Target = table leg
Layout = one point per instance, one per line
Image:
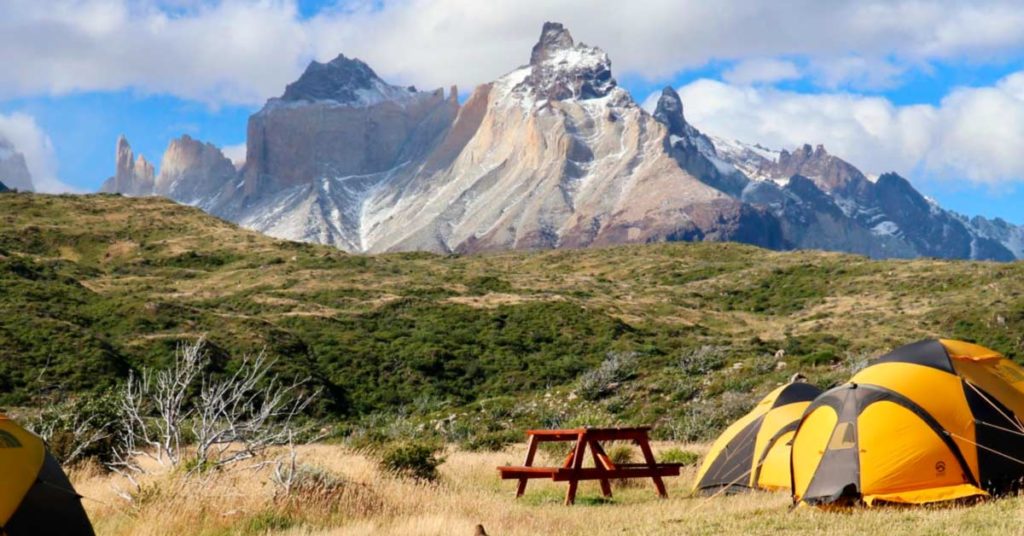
(531, 451)
(645, 447)
(606, 487)
(577, 463)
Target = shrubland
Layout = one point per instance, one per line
(455, 349)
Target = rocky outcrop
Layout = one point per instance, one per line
(4, 188)
(693, 150)
(339, 120)
(132, 176)
(13, 168)
(194, 173)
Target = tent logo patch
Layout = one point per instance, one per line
(8, 441)
(940, 467)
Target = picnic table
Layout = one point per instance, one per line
(572, 470)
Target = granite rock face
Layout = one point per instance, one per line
(194, 173)
(132, 176)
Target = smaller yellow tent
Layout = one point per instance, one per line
(36, 497)
(753, 453)
(933, 421)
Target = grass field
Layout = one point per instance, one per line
(361, 501)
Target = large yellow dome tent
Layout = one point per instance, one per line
(36, 497)
(754, 451)
(933, 421)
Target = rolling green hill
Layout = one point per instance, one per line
(683, 336)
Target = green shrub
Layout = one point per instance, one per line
(487, 284)
(678, 455)
(491, 441)
(412, 459)
(703, 360)
(616, 368)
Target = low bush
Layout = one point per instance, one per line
(678, 455)
(417, 460)
(616, 368)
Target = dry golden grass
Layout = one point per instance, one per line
(242, 502)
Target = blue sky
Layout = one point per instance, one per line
(926, 94)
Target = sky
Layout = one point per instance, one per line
(931, 90)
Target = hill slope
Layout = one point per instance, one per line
(93, 286)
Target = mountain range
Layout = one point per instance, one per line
(553, 154)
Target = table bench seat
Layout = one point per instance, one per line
(604, 470)
(564, 474)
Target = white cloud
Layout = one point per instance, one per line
(235, 153)
(233, 51)
(973, 133)
(761, 71)
(857, 72)
(31, 141)
(230, 52)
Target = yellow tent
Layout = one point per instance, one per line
(36, 497)
(754, 451)
(932, 421)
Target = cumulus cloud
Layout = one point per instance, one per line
(30, 140)
(974, 133)
(231, 51)
(761, 71)
(228, 52)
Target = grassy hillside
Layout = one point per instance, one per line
(474, 347)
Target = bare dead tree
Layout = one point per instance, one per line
(85, 432)
(242, 415)
(230, 419)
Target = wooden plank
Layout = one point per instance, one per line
(616, 435)
(570, 433)
(608, 463)
(523, 473)
(577, 464)
(531, 451)
(568, 475)
(606, 487)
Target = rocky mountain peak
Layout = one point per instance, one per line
(132, 176)
(831, 173)
(669, 111)
(339, 80)
(562, 69)
(343, 80)
(553, 37)
(193, 172)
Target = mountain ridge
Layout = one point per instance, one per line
(553, 154)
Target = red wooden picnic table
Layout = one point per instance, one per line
(572, 470)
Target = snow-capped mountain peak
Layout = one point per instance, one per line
(562, 69)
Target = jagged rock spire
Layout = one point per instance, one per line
(670, 111)
(132, 176)
(553, 37)
(564, 69)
